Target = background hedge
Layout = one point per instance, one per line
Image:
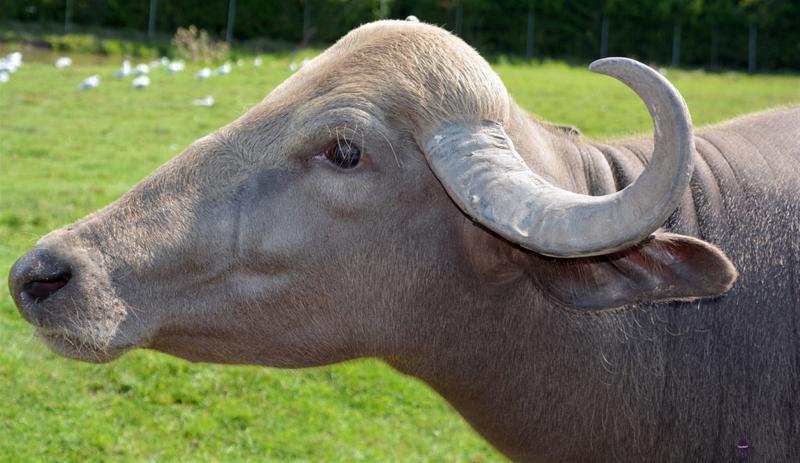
(712, 32)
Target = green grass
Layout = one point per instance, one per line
(64, 153)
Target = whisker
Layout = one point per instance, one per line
(396, 159)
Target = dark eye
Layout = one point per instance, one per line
(343, 155)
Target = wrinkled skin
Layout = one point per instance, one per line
(252, 248)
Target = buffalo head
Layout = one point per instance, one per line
(377, 190)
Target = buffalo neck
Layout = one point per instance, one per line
(463, 347)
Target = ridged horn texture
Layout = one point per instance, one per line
(489, 180)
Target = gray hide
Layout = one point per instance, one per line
(253, 247)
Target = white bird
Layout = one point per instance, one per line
(140, 82)
(203, 74)
(142, 69)
(124, 70)
(294, 66)
(3, 77)
(257, 61)
(224, 69)
(15, 57)
(206, 101)
(63, 62)
(11, 62)
(90, 83)
(164, 61)
(239, 63)
(175, 66)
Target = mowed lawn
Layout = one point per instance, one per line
(65, 153)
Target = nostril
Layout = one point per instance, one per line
(39, 290)
(37, 276)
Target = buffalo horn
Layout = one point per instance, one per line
(483, 173)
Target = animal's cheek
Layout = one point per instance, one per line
(299, 223)
(280, 235)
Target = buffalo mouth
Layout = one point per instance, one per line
(75, 346)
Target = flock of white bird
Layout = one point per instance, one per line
(13, 61)
(139, 73)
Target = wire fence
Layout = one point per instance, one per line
(716, 34)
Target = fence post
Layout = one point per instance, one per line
(306, 17)
(714, 45)
(384, 9)
(231, 17)
(676, 43)
(151, 23)
(459, 18)
(604, 37)
(529, 43)
(751, 48)
(68, 17)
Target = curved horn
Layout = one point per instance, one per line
(487, 178)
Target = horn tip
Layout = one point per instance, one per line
(602, 64)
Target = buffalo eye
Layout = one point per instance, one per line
(342, 155)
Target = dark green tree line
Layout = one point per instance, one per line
(726, 33)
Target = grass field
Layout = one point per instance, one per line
(64, 153)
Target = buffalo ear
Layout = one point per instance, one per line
(665, 267)
(489, 256)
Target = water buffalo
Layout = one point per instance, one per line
(574, 301)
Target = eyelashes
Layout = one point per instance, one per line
(342, 154)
